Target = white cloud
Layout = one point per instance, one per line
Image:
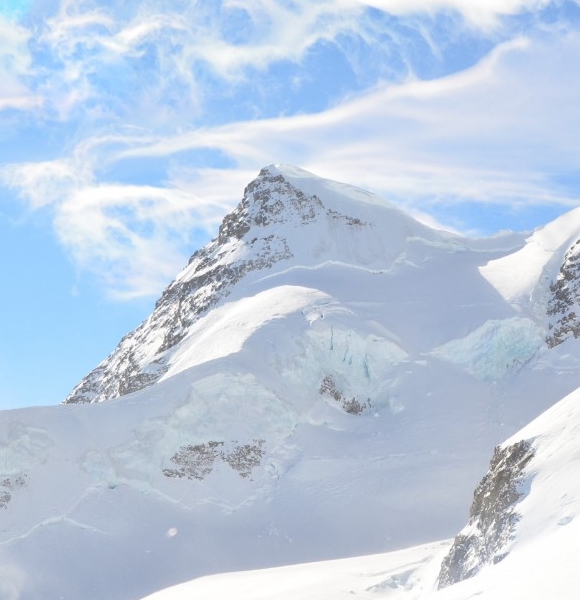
(132, 238)
(92, 60)
(497, 132)
(15, 66)
(481, 13)
(43, 183)
(502, 132)
(102, 56)
(275, 31)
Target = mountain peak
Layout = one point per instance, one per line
(268, 227)
(291, 228)
(269, 199)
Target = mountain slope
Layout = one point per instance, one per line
(521, 540)
(311, 386)
(538, 526)
(280, 224)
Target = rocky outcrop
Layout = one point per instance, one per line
(493, 516)
(564, 304)
(198, 461)
(7, 487)
(352, 406)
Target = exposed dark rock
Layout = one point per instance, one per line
(493, 516)
(352, 406)
(348, 220)
(244, 458)
(564, 305)
(196, 462)
(269, 199)
(5, 498)
(8, 485)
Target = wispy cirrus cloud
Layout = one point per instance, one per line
(480, 13)
(131, 238)
(168, 109)
(15, 68)
(501, 132)
(173, 56)
(122, 61)
(165, 63)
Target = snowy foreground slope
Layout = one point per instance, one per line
(536, 559)
(327, 378)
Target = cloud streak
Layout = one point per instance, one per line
(131, 238)
(496, 132)
(173, 54)
(165, 105)
(125, 61)
(478, 136)
(15, 68)
(481, 13)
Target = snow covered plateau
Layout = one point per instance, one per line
(307, 413)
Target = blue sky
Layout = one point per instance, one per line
(128, 130)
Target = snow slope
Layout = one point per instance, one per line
(290, 224)
(539, 558)
(392, 575)
(310, 387)
(521, 274)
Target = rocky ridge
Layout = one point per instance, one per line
(564, 304)
(493, 516)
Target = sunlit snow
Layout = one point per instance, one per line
(342, 402)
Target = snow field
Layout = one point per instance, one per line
(343, 402)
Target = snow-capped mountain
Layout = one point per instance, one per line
(326, 378)
(286, 220)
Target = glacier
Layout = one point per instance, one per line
(326, 379)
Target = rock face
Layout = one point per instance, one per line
(564, 305)
(352, 406)
(197, 462)
(493, 516)
(245, 243)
